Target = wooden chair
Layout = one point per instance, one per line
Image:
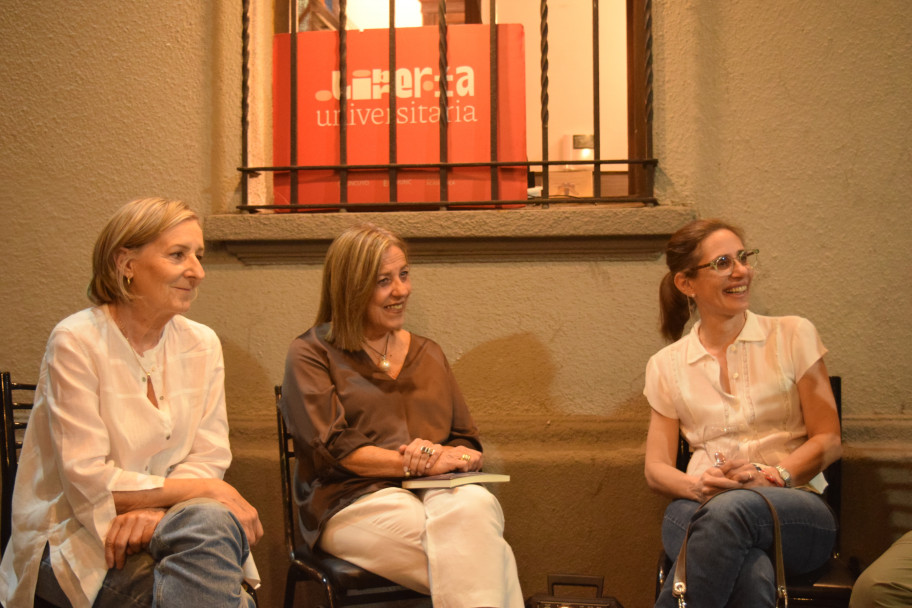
(830, 586)
(343, 583)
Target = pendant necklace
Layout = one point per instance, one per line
(148, 378)
(384, 362)
(123, 331)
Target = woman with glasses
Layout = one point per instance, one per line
(751, 395)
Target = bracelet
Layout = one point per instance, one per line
(785, 475)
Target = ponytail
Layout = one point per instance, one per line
(674, 308)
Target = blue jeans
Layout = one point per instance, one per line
(195, 559)
(727, 563)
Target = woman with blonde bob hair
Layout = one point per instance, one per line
(370, 404)
(130, 228)
(752, 397)
(352, 265)
(119, 498)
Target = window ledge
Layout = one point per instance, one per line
(590, 232)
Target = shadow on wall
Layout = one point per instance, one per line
(507, 375)
(248, 386)
(254, 470)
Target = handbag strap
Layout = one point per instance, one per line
(679, 583)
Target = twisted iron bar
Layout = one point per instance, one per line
(544, 95)
(293, 101)
(647, 13)
(393, 126)
(596, 102)
(245, 94)
(343, 101)
(442, 56)
(494, 64)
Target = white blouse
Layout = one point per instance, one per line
(93, 431)
(761, 417)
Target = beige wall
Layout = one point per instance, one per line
(790, 118)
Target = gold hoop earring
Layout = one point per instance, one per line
(129, 280)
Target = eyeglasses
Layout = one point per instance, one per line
(725, 264)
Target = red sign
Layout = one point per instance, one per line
(417, 115)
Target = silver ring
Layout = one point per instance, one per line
(425, 449)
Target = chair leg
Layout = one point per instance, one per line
(291, 583)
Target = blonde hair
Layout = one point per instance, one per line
(349, 278)
(134, 225)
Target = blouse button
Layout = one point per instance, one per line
(735, 375)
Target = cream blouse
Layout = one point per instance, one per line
(765, 362)
(93, 431)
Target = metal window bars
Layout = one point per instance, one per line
(640, 164)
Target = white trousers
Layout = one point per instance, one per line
(445, 542)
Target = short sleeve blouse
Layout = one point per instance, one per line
(765, 363)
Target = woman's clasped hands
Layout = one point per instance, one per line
(422, 457)
(728, 475)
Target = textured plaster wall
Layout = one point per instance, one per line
(788, 118)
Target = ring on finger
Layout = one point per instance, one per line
(465, 457)
(425, 449)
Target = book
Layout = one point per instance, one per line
(451, 480)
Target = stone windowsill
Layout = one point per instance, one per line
(587, 232)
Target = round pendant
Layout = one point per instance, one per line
(384, 364)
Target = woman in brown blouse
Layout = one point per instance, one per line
(370, 404)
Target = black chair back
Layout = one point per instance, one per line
(17, 406)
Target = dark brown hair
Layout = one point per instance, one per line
(682, 253)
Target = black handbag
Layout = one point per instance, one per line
(679, 584)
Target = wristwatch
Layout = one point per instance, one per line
(786, 476)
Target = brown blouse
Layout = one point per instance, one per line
(336, 401)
